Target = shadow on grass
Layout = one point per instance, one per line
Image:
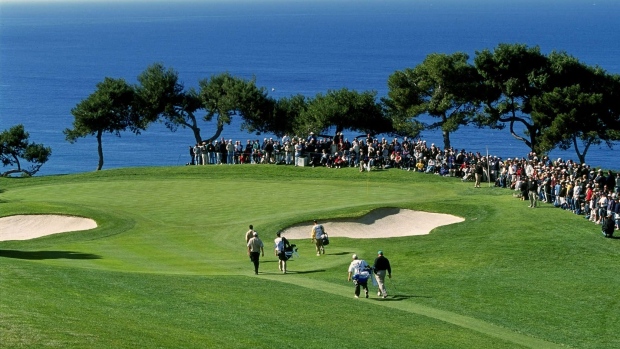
(40, 255)
(339, 253)
(399, 297)
(292, 272)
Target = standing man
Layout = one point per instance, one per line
(532, 187)
(255, 250)
(382, 267)
(197, 154)
(211, 152)
(359, 271)
(317, 237)
(230, 152)
(281, 245)
(191, 154)
(203, 153)
(478, 172)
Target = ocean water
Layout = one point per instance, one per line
(53, 54)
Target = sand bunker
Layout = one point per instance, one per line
(24, 227)
(380, 223)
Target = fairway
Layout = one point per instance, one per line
(167, 267)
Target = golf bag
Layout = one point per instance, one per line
(361, 277)
(290, 251)
(325, 239)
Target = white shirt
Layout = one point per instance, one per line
(357, 266)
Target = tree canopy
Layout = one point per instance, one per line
(512, 76)
(110, 109)
(14, 147)
(579, 104)
(162, 97)
(442, 86)
(344, 110)
(224, 96)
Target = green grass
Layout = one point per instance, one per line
(167, 266)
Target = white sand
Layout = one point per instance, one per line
(24, 227)
(380, 223)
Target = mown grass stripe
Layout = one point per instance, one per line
(442, 315)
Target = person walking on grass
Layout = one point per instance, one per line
(317, 237)
(359, 272)
(281, 245)
(255, 250)
(382, 267)
(248, 235)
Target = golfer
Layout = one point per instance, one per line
(382, 267)
(317, 237)
(281, 244)
(248, 235)
(255, 250)
(359, 271)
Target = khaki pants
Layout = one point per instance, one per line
(380, 276)
(319, 246)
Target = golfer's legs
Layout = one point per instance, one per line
(255, 256)
(319, 245)
(380, 276)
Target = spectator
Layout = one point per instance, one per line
(191, 155)
(608, 226)
(532, 187)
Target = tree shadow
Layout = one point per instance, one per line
(40, 255)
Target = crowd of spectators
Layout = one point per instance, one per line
(574, 187)
(567, 185)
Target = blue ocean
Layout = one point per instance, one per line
(52, 55)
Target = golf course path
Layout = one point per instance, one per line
(442, 315)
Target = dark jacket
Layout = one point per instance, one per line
(608, 226)
(382, 263)
(532, 185)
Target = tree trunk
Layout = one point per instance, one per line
(218, 132)
(581, 155)
(197, 136)
(446, 139)
(99, 150)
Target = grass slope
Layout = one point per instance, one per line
(167, 266)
